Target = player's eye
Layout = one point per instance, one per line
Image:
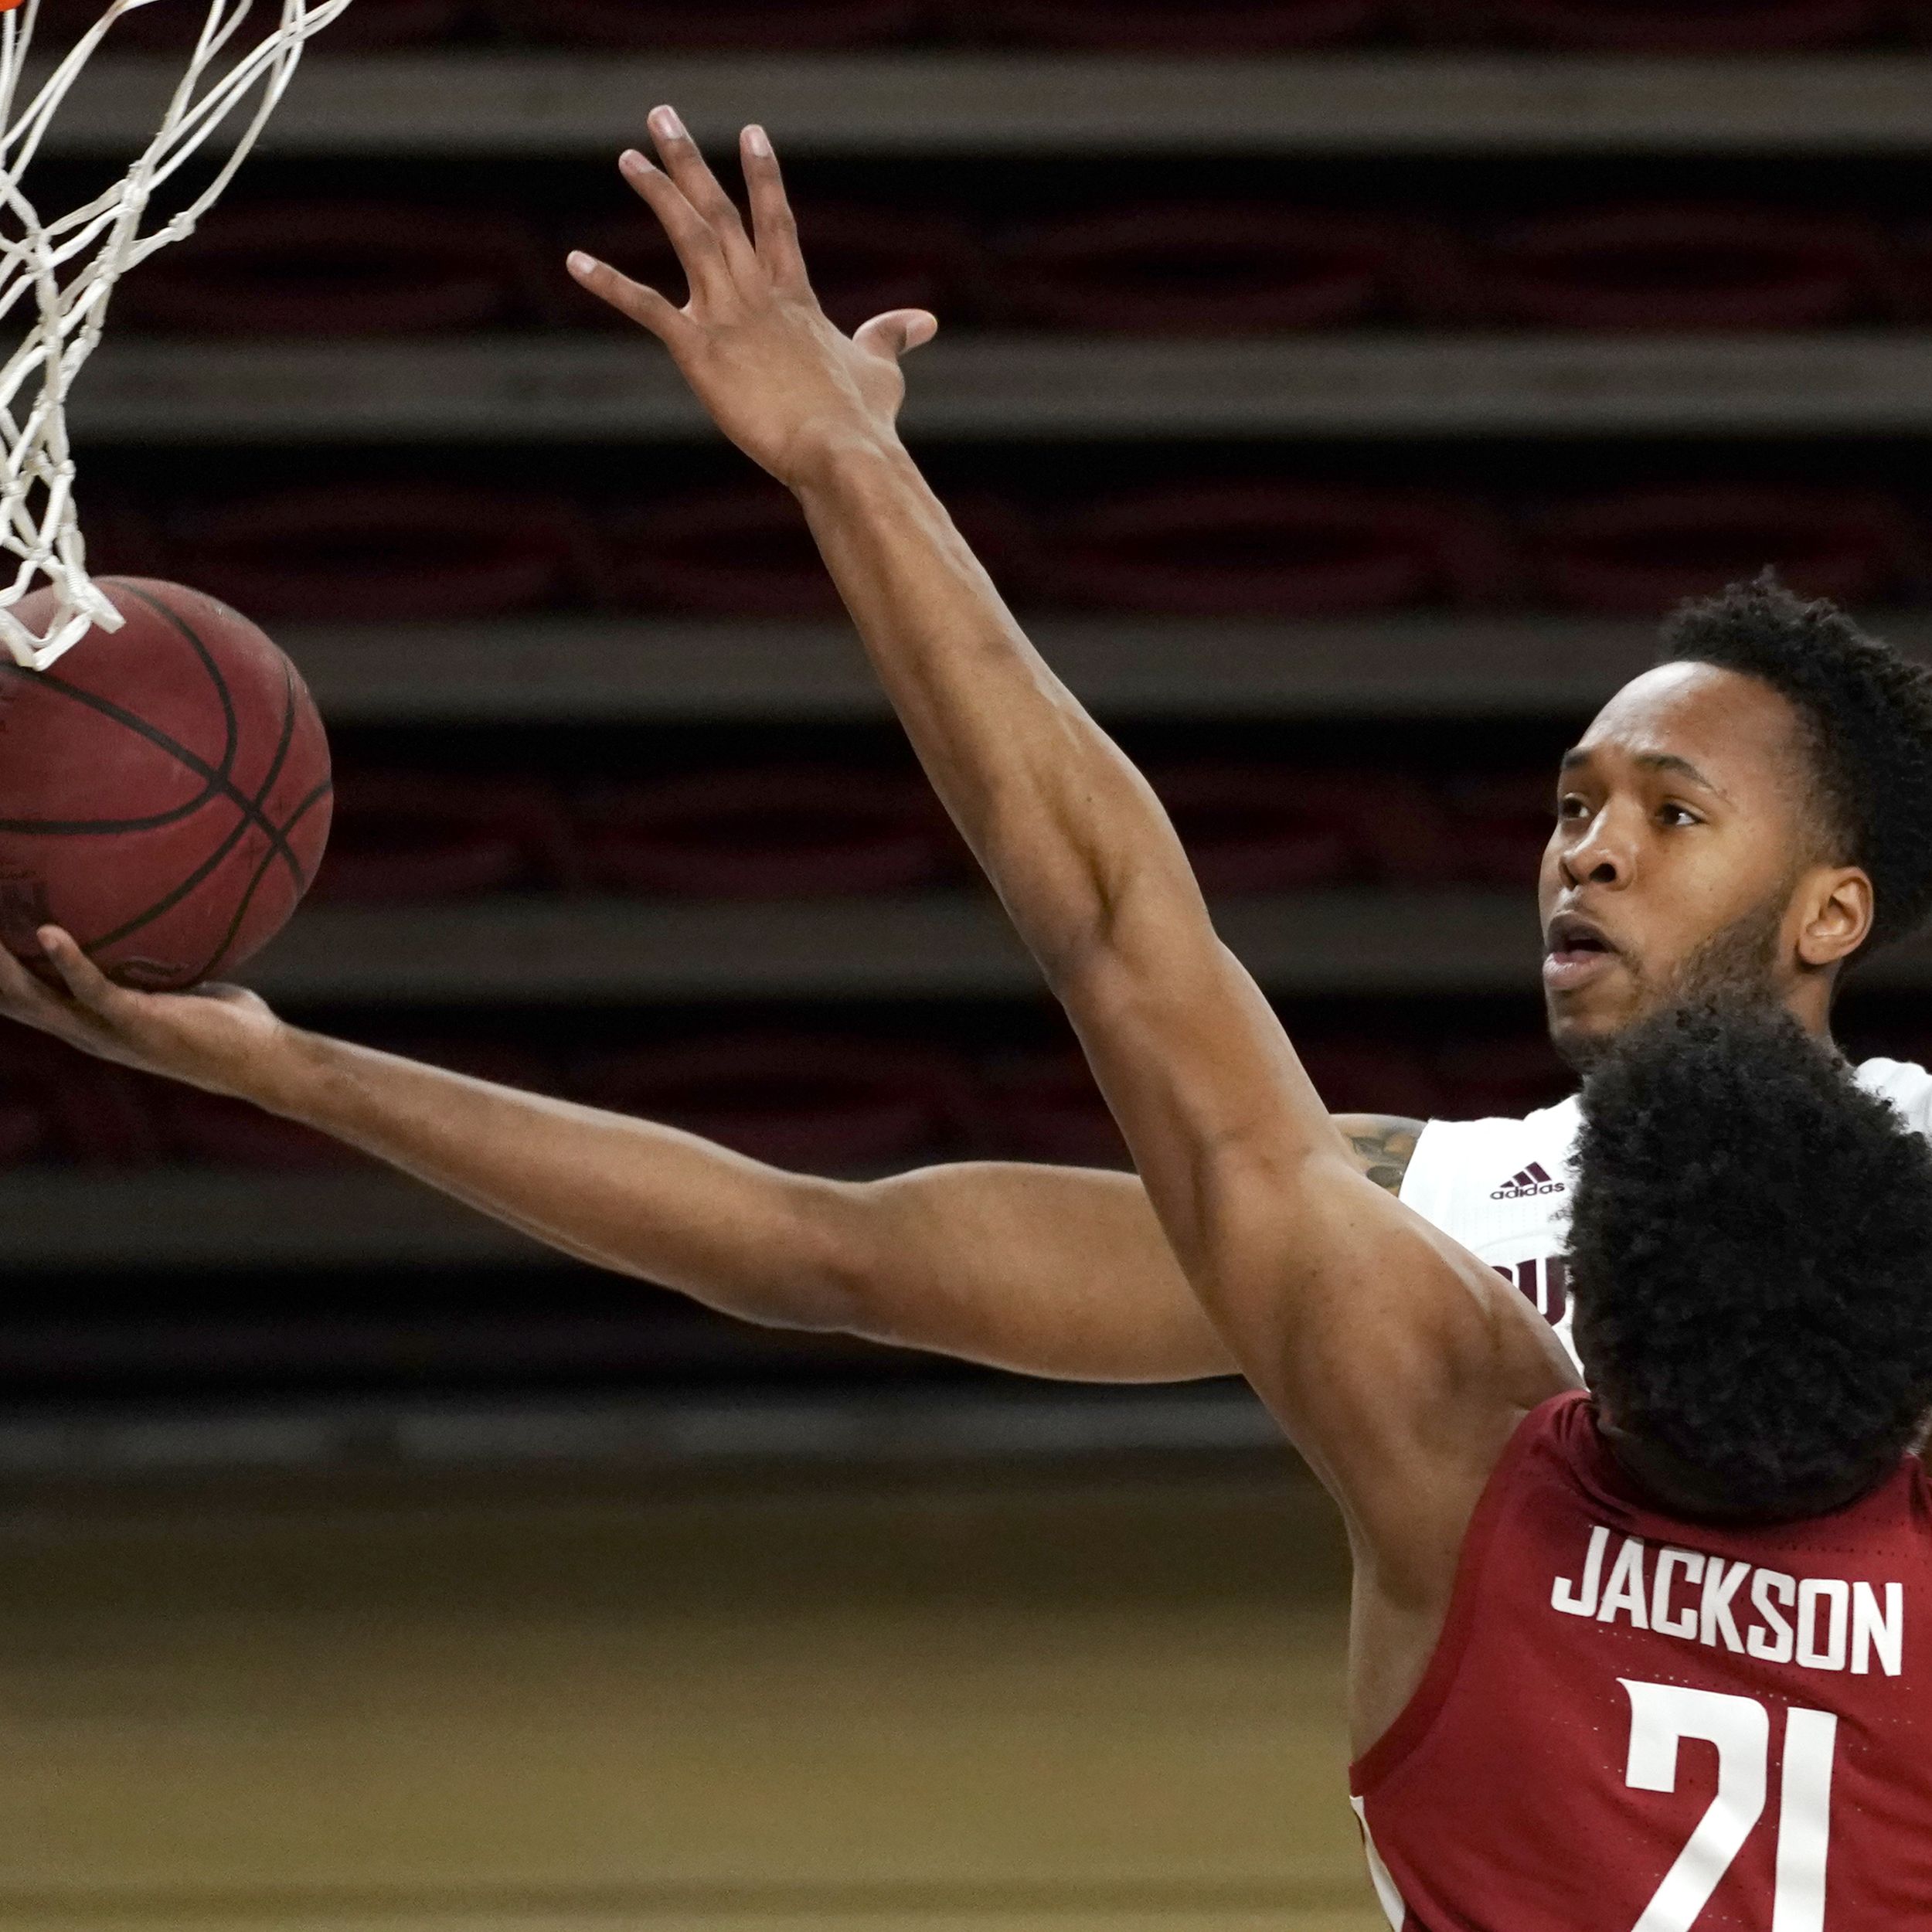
(1676, 815)
(1571, 806)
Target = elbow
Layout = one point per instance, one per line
(796, 1257)
(827, 1279)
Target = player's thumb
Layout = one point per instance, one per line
(897, 332)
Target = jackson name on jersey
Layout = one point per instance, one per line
(1502, 1187)
(1819, 1623)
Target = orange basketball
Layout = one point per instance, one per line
(164, 789)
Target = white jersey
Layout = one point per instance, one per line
(1502, 1187)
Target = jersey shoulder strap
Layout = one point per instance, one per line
(1907, 1087)
(1533, 1458)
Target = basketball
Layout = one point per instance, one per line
(164, 790)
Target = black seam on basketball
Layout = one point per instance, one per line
(326, 789)
(251, 808)
(213, 962)
(217, 780)
(279, 834)
(221, 780)
(170, 901)
(252, 815)
(230, 724)
(279, 847)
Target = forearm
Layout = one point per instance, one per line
(1048, 1271)
(629, 1195)
(1192, 1061)
(1068, 832)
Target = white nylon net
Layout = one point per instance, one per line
(62, 273)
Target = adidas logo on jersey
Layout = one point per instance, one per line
(1532, 1180)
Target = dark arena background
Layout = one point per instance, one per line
(1341, 391)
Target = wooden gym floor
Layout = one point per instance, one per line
(941, 1702)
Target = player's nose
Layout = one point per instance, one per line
(1602, 854)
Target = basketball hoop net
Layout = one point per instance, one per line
(66, 269)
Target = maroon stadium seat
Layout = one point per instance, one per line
(213, 1130)
(742, 552)
(26, 1121)
(402, 835)
(1687, 267)
(826, 1103)
(123, 540)
(1253, 828)
(864, 260)
(1275, 828)
(779, 831)
(1365, 1073)
(1679, 26)
(746, 552)
(381, 552)
(341, 268)
(508, 1062)
(57, 1103)
(1638, 551)
(1214, 26)
(107, 1116)
(1913, 242)
(1498, 825)
(1510, 1074)
(23, 1125)
(1044, 1106)
(1405, 834)
(1217, 268)
(1215, 550)
(756, 26)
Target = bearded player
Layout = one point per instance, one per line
(1757, 809)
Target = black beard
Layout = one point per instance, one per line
(1737, 965)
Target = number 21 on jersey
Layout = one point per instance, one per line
(1661, 1716)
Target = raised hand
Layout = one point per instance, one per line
(778, 377)
(219, 1037)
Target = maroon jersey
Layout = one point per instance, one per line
(1636, 1724)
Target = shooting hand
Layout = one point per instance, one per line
(217, 1037)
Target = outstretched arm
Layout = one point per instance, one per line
(1049, 1271)
(1395, 1360)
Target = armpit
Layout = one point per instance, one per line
(1381, 1145)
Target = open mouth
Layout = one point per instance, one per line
(1575, 951)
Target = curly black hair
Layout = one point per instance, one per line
(1751, 1261)
(1867, 713)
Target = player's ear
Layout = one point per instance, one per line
(1838, 907)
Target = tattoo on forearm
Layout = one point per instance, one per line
(1382, 1145)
